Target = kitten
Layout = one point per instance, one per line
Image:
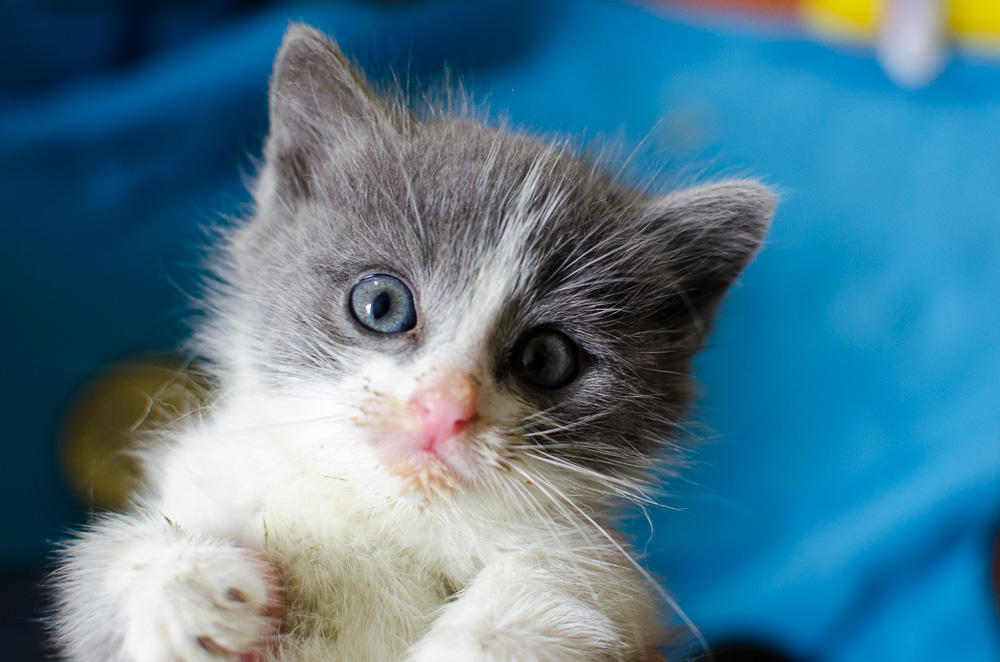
(446, 353)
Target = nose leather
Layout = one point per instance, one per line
(445, 409)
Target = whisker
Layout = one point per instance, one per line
(618, 547)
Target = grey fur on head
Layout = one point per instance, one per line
(353, 185)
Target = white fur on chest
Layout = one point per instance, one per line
(355, 592)
(366, 569)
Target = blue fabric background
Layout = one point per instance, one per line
(844, 510)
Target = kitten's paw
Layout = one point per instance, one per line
(449, 645)
(206, 604)
(455, 644)
(563, 631)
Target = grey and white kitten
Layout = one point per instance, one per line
(446, 353)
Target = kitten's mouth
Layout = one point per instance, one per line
(438, 469)
(431, 441)
(428, 474)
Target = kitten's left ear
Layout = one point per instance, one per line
(708, 235)
(318, 103)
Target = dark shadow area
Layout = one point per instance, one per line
(20, 613)
(746, 652)
(995, 573)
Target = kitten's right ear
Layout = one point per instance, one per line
(707, 235)
(318, 103)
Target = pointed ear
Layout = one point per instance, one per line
(318, 102)
(709, 234)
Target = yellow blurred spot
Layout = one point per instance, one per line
(971, 22)
(976, 22)
(114, 415)
(844, 19)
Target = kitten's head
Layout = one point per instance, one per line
(449, 305)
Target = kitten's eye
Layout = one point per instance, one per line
(547, 358)
(383, 304)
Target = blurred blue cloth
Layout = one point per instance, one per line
(844, 510)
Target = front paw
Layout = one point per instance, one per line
(450, 645)
(491, 644)
(551, 630)
(204, 604)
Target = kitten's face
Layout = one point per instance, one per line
(450, 303)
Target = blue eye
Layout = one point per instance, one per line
(383, 304)
(546, 358)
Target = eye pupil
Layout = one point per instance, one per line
(383, 304)
(546, 358)
(538, 359)
(379, 306)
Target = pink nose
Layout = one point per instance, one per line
(445, 408)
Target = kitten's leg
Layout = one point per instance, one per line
(526, 607)
(137, 588)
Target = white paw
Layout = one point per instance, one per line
(450, 645)
(530, 631)
(201, 604)
(460, 644)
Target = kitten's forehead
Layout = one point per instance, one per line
(483, 225)
(504, 269)
(498, 217)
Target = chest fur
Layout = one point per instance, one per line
(355, 590)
